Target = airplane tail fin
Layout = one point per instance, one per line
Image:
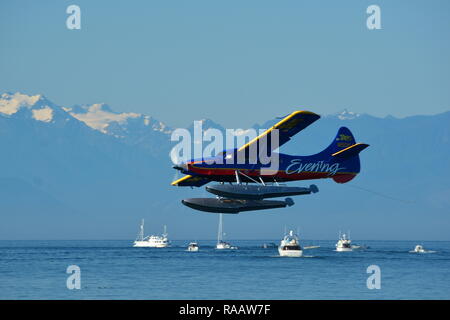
(344, 139)
(345, 150)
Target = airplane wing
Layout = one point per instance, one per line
(287, 128)
(190, 181)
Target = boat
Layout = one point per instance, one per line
(420, 249)
(290, 246)
(269, 245)
(151, 241)
(344, 243)
(222, 245)
(193, 247)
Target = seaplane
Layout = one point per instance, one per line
(246, 179)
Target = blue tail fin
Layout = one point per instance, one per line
(344, 139)
(344, 150)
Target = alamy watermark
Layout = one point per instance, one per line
(74, 280)
(73, 21)
(236, 146)
(373, 22)
(374, 280)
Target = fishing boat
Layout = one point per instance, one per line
(151, 241)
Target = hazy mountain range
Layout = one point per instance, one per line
(86, 171)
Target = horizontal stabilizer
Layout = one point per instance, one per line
(351, 151)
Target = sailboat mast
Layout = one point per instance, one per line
(220, 232)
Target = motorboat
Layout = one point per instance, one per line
(420, 249)
(290, 246)
(344, 243)
(193, 247)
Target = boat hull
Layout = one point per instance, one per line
(146, 244)
(343, 249)
(290, 253)
(220, 247)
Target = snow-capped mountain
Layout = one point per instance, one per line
(346, 115)
(101, 117)
(130, 128)
(37, 107)
(11, 103)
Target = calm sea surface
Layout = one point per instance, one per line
(115, 270)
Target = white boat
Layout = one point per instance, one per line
(193, 247)
(222, 245)
(151, 241)
(225, 245)
(344, 243)
(290, 246)
(420, 249)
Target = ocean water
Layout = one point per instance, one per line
(115, 270)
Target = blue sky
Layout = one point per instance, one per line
(237, 62)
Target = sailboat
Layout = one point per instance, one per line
(151, 241)
(221, 245)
